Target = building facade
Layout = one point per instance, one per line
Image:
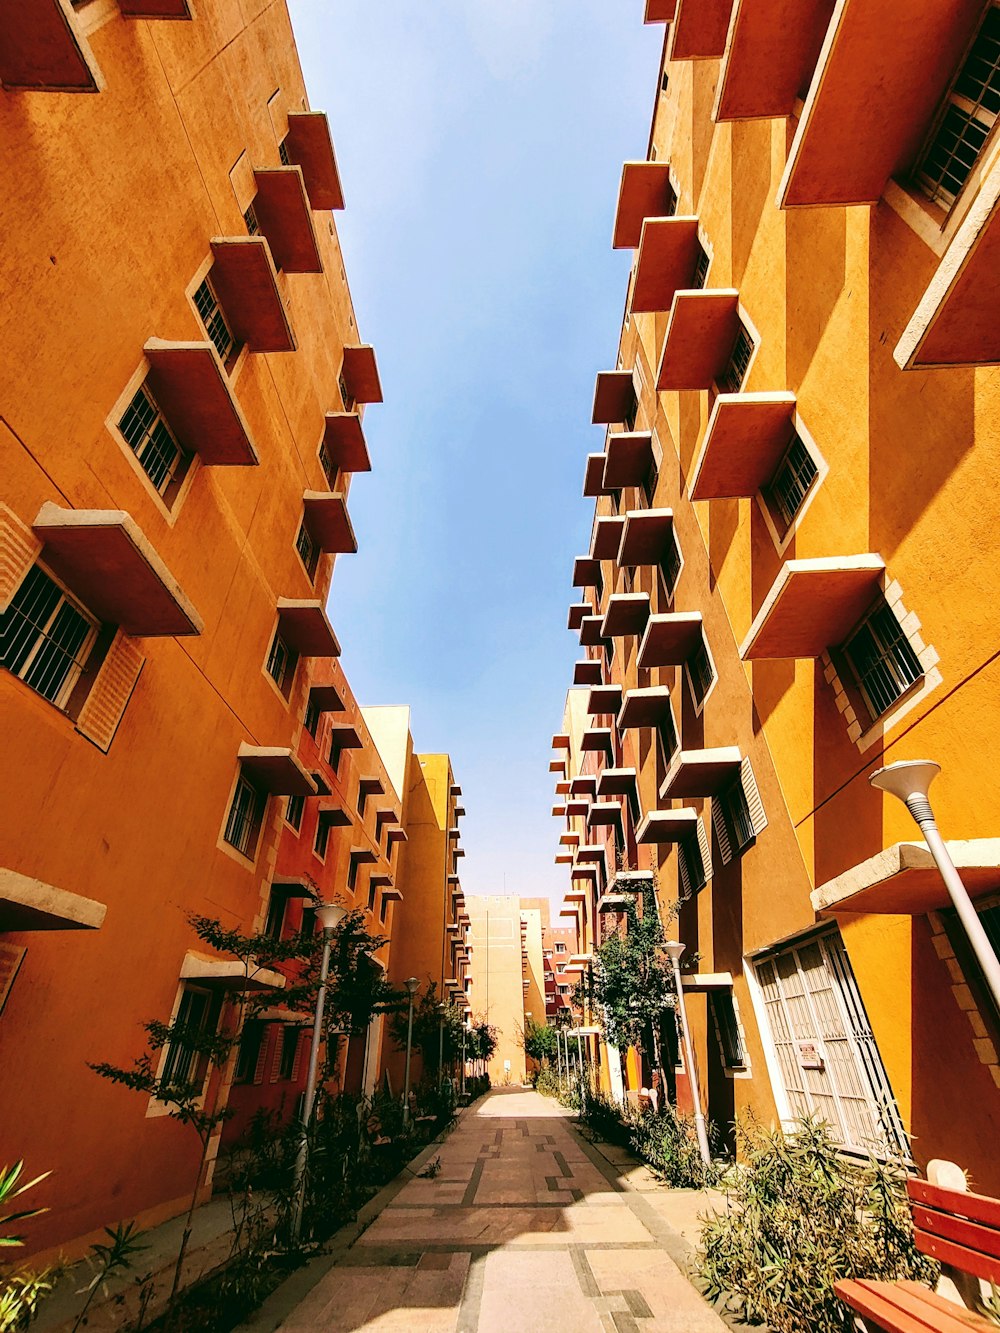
(784, 585)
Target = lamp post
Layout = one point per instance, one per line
(329, 916)
(442, 1011)
(464, 1031)
(411, 984)
(673, 949)
(910, 780)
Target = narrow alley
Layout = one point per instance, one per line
(526, 1226)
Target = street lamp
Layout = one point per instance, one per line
(465, 1028)
(411, 984)
(442, 1011)
(910, 780)
(673, 949)
(329, 916)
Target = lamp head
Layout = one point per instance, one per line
(673, 949)
(910, 780)
(412, 985)
(329, 915)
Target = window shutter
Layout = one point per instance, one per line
(706, 849)
(261, 1065)
(300, 1046)
(685, 873)
(277, 1030)
(721, 832)
(754, 804)
(109, 695)
(19, 548)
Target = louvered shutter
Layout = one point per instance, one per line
(19, 548)
(683, 871)
(261, 1065)
(299, 1049)
(721, 831)
(278, 1033)
(754, 804)
(705, 846)
(109, 695)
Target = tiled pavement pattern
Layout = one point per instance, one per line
(525, 1229)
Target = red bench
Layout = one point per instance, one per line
(961, 1231)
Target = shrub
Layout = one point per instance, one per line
(802, 1217)
(668, 1142)
(546, 1082)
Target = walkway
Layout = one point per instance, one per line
(525, 1229)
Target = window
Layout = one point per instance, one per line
(312, 717)
(691, 864)
(183, 1065)
(648, 488)
(970, 112)
(738, 815)
(560, 947)
(881, 659)
(148, 436)
(728, 1028)
(251, 1041)
(46, 638)
(246, 814)
(307, 926)
(670, 565)
(826, 1051)
(352, 873)
(372, 889)
(563, 990)
(289, 1046)
(664, 84)
(328, 466)
(283, 153)
(666, 734)
(281, 662)
(731, 379)
(210, 313)
(294, 809)
(275, 922)
(792, 481)
(250, 218)
(362, 800)
(307, 548)
(383, 909)
(631, 409)
(701, 262)
(700, 672)
(334, 759)
(322, 838)
(345, 394)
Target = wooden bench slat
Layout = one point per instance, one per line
(976, 1207)
(977, 1238)
(968, 1317)
(969, 1261)
(899, 1307)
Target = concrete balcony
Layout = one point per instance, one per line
(747, 435)
(284, 216)
(246, 282)
(812, 605)
(645, 192)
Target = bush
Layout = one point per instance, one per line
(667, 1142)
(802, 1217)
(476, 1086)
(546, 1082)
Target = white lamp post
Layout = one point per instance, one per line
(442, 1012)
(411, 984)
(329, 916)
(910, 780)
(673, 949)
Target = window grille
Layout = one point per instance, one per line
(700, 268)
(731, 379)
(346, 396)
(969, 115)
(666, 734)
(210, 313)
(250, 218)
(289, 1045)
(792, 481)
(670, 565)
(728, 1028)
(245, 815)
(283, 153)
(307, 548)
(881, 659)
(700, 673)
(281, 663)
(45, 637)
(275, 915)
(148, 436)
(181, 1066)
(294, 811)
(648, 489)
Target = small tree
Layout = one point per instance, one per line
(428, 1016)
(539, 1041)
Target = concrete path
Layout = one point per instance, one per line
(525, 1229)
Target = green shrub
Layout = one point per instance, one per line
(546, 1082)
(802, 1217)
(667, 1142)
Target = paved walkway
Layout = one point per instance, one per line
(525, 1229)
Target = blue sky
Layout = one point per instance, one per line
(480, 143)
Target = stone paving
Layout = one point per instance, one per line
(525, 1229)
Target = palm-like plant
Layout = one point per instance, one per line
(11, 1190)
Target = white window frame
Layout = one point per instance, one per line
(82, 656)
(783, 541)
(700, 706)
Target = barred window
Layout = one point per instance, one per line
(666, 734)
(793, 479)
(701, 262)
(881, 659)
(970, 112)
(328, 465)
(46, 637)
(294, 810)
(283, 153)
(149, 437)
(700, 673)
(731, 379)
(250, 218)
(246, 814)
(346, 396)
(670, 565)
(307, 548)
(183, 1065)
(210, 313)
(739, 824)
(692, 866)
(281, 662)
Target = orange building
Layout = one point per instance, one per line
(788, 582)
(182, 392)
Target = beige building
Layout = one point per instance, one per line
(499, 969)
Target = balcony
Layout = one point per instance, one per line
(614, 398)
(597, 740)
(275, 770)
(585, 571)
(359, 372)
(558, 765)
(699, 30)
(562, 787)
(664, 826)
(558, 811)
(29, 904)
(645, 192)
(627, 614)
(584, 784)
(105, 559)
(569, 839)
(590, 632)
(668, 255)
(670, 640)
(593, 477)
(604, 814)
(305, 629)
(345, 736)
(770, 57)
(659, 11)
(332, 816)
(284, 216)
(329, 523)
(903, 880)
(613, 902)
(646, 537)
(701, 773)
(42, 49)
(644, 709)
(955, 323)
(228, 974)
(629, 460)
(155, 9)
(747, 435)
(701, 331)
(246, 283)
(577, 612)
(617, 782)
(327, 698)
(812, 605)
(592, 853)
(875, 93)
(564, 858)
(193, 391)
(588, 672)
(576, 806)
(344, 442)
(309, 145)
(370, 784)
(604, 699)
(607, 536)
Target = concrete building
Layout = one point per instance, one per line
(558, 944)
(500, 979)
(784, 586)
